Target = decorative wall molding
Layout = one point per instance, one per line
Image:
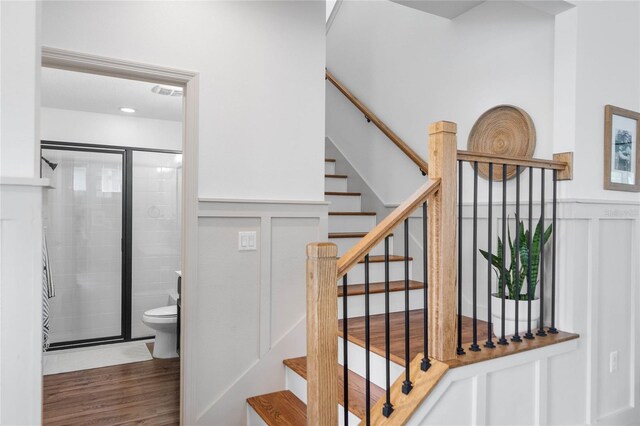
(269, 283)
(83, 62)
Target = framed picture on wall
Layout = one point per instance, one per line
(621, 153)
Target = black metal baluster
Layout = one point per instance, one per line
(541, 331)
(387, 409)
(489, 342)
(367, 342)
(345, 347)
(529, 334)
(406, 385)
(516, 335)
(503, 269)
(460, 349)
(426, 363)
(474, 345)
(554, 228)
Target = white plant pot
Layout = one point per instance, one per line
(510, 316)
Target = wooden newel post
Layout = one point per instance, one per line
(443, 241)
(322, 334)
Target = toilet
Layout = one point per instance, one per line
(164, 321)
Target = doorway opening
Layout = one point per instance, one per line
(121, 205)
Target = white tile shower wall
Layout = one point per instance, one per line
(156, 233)
(83, 220)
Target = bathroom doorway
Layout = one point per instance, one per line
(115, 225)
(112, 224)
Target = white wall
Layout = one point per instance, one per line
(250, 311)
(412, 68)
(19, 74)
(607, 52)
(261, 70)
(20, 217)
(109, 129)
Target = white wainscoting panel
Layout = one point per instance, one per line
(250, 305)
(597, 296)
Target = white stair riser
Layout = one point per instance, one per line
(351, 223)
(335, 184)
(345, 244)
(344, 203)
(253, 419)
(329, 168)
(357, 356)
(376, 272)
(298, 386)
(355, 304)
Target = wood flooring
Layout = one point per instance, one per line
(142, 393)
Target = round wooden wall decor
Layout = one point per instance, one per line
(502, 130)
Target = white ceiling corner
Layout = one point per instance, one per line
(551, 7)
(446, 9)
(451, 9)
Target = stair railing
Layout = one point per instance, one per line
(434, 202)
(440, 325)
(372, 118)
(528, 242)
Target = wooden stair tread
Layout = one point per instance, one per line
(342, 193)
(349, 234)
(352, 213)
(356, 333)
(357, 397)
(358, 289)
(280, 408)
(336, 176)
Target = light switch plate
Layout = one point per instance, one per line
(613, 361)
(247, 240)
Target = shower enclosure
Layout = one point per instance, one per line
(112, 223)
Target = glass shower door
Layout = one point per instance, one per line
(83, 218)
(156, 206)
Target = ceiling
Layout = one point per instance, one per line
(445, 9)
(96, 93)
(451, 9)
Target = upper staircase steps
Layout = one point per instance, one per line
(329, 166)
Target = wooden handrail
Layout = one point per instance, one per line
(422, 164)
(482, 157)
(384, 228)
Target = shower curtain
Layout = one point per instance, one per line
(48, 291)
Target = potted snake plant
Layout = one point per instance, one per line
(517, 282)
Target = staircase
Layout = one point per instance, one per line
(347, 225)
(407, 340)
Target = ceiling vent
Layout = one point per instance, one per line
(167, 90)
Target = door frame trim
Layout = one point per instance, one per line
(189, 80)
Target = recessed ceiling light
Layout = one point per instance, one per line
(127, 109)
